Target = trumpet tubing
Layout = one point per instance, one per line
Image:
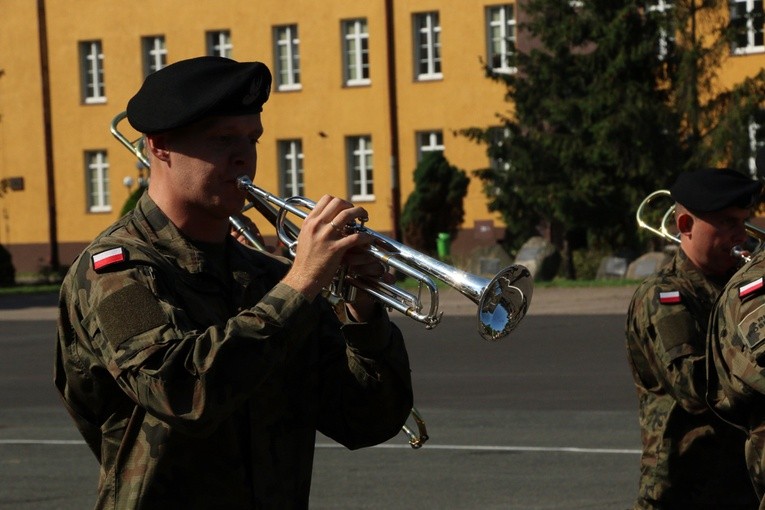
(502, 300)
(742, 253)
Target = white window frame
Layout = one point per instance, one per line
(287, 57)
(360, 168)
(752, 31)
(663, 9)
(427, 46)
(92, 72)
(754, 146)
(429, 141)
(500, 35)
(356, 52)
(154, 52)
(219, 43)
(97, 181)
(291, 175)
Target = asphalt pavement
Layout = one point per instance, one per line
(545, 419)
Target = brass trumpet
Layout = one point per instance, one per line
(663, 229)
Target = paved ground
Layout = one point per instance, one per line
(544, 420)
(545, 301)
(554, 301)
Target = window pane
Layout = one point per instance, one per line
(92, 71)
(97, 179)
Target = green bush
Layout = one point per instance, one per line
(7, 271)
(436, 203)
(587, 262)
(132, 200)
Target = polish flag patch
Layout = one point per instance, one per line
(751, 288)
(669, 298)
(109, 257)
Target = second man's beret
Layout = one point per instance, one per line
(714, 189)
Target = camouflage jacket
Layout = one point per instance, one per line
(202, 385)
(736, 361)
(691, 458)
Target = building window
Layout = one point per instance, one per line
(360, 175)
(219, 43)
(746, 19)
(154, 53)
(756, 141)
(429, 141)
(427, 46)
(287, 58)
(291, 168)
(92, 71)
(500, 30)
(356, 52)
(97, 181)
(661, 11)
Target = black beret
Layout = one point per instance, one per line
(190, 90)
(714, 189)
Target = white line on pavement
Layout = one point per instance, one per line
(564, 449)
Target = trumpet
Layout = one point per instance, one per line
(502, 300)
(741, 252)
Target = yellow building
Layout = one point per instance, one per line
(361, 89)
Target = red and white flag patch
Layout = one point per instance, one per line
(669, 298)
(109, 257)
(751, 288)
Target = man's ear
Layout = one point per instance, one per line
(157, 145)
(684, 223)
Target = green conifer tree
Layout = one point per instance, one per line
(436, 203)
(615, 100)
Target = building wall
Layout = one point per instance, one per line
(322, 113)
(23, 214)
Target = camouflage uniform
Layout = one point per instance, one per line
(691, 459)
(202, 385)
(736, 361)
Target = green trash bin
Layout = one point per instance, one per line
(443, 245)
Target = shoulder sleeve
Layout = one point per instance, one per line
(666, 341)
(154, 348)
(660, 315)
(736, 351)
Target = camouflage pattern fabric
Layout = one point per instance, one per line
(691, 458)
(736, 362)
(202, 385)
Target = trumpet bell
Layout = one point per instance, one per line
(504, 302)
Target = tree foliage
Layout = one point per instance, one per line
(132, 200)
(436, 203)
(602, 112)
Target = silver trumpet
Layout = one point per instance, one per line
(502, 300)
